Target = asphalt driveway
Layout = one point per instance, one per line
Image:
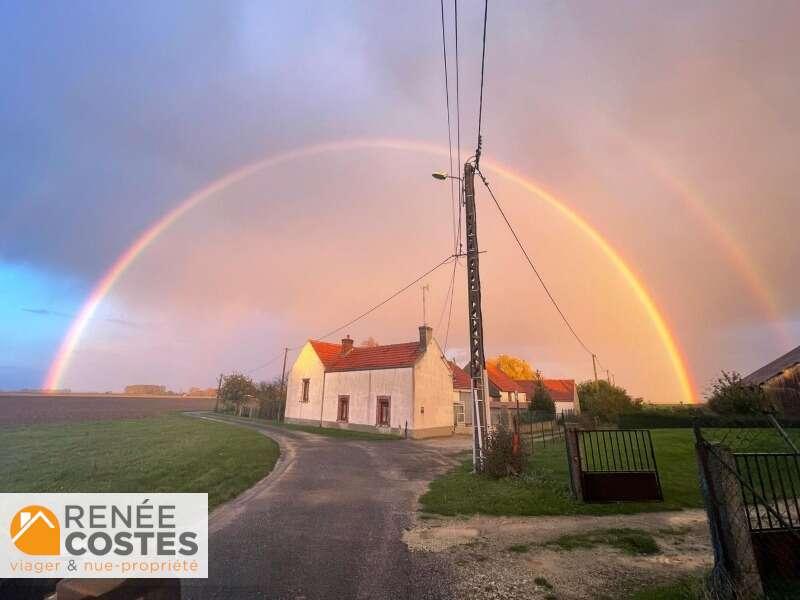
(327, 523)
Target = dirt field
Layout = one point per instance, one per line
(499, 558)
(29, 409)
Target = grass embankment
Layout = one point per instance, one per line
(163, 454)
(544, 488)
(333, 432)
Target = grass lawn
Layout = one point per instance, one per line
(334, 432)
(544, 488)
(687, 588)
(170, 453)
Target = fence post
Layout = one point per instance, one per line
(735, 573)
(573, 461)
(532, 438)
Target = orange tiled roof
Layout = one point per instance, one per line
(561, 390)
(500, 380)
(390, 356)
(460, 377)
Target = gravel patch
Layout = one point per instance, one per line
(498, 558)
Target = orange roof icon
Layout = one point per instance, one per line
(35, 530)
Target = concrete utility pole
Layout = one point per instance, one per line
(477, 362)
(282, 412)
(594, 366)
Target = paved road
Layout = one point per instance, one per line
(327, 523)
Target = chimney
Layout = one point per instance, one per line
(425, 335)
(347, 344)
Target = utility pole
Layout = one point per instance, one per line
(608, 376)
(477, 362)
(219, 391)
(282, 411)
(594, 366)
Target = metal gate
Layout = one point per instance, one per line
(618, 465)
(770, 483)
(750, 479)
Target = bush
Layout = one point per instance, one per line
(499, 458)
(730, 395)
(605, 401)
(650, 416)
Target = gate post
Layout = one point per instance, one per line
(573, 460)
(735, 573)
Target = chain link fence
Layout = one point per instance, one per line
(750, 480)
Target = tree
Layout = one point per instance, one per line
(542, 400)
(270, 397)
(369, 343)
(516, 368)
(730, 395)
(236, 388)
(606, 401)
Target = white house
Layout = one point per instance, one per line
(391, 388)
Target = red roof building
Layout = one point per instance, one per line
(346, 357)
(562, 391)
(461, 380)
(404, 388)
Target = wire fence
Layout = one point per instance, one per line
(750, 479)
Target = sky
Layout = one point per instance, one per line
(671, 129)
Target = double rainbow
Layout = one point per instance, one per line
(66, 350)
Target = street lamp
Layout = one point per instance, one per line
(441, 175)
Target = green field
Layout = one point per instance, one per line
(162, 454)
(544, 488)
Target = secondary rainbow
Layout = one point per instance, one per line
(65, 352)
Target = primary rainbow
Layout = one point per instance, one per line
(69, 343)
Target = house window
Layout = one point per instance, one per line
(384, 410)
(305, 390)
(458, 413)
(344, 409)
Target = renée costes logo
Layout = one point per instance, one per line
(104, 535)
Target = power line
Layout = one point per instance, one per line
(480, 102)
(458, 126)
(397, 293)
(266, 364)
(449, 130)
(447, 305)
(530, 262)
(358, 318)
(450, 309)
(458, 99)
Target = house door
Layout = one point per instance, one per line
(384, 411)
(344, 409)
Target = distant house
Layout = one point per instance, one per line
(505, 394)
(781, 380)
(383, 388)
(462, 399)
(564, 393)
(501, 387)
